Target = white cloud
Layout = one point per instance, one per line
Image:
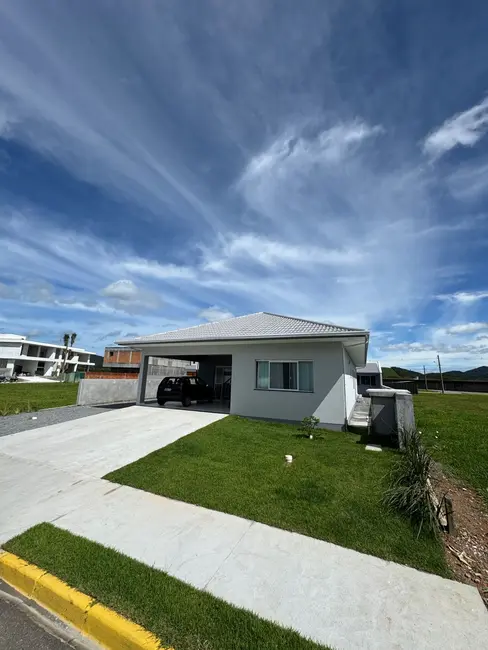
(339, 231)
(467, 328)
(463, 129)
(102, 130)
(7, 121)
(330, 145)
(469, 182)
(124, 290)
(406, 324)
(463, 297)
(127, 296)
(318, 214)
(275, 253)
(215, 313)
(153, 269)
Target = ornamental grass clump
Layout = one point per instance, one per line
(409, 490)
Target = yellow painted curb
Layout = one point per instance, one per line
(19, 573)
(57, 596)
(97, 621)
(115, 631)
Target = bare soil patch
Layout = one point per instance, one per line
(467, 547)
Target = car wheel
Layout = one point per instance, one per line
(186, 401)
(161, 402)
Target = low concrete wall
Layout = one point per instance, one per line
(392, 414)
(113, 391)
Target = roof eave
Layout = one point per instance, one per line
(280, 337)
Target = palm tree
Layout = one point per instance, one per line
(73, 339)
(66, 338)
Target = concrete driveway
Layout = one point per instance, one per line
(334, 595)
(47, 472)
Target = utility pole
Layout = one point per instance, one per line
(440, 373)
(425, 380)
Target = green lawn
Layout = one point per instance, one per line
(331, 491)
(462, 439)
(179, 615)
(17, 398)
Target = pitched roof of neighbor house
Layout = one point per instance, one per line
(372, 367)
(262, 325)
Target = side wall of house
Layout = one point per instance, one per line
(350, 383)
(325, 402)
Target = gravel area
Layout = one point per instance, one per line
(10, 424)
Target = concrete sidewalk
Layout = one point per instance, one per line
(334, 595)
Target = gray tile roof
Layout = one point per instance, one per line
(262, 325)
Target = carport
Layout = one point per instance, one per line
(214, 369)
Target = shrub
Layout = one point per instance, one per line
(409, 489)
(310, 424)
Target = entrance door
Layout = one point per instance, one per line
(223, 376)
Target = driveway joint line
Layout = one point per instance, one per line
(251, 524)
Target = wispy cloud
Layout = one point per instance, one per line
(469, 182)
(215, 313)
(467, 328)
(464, 129)
(463, 297)
(230, 168)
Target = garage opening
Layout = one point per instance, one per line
(203, 383)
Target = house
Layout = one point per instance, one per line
(128, 360)
(369, 376)
(20, 355)
(120, 359)
(277, 367)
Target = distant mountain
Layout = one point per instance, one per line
(476, 373)
(389, 373)
(402, 373)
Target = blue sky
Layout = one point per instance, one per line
(167, 163)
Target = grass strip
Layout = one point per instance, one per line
(20, 398)
(332, 491)
(454, 430)
(179, 615)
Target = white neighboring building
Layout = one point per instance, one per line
(20, 355)
(369, 376)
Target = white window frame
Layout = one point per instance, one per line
(286, 390)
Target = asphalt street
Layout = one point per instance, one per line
(24, 625)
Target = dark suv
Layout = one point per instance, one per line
(184, 390)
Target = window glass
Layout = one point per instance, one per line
(283, 375)
(305, 376)
(262, 374)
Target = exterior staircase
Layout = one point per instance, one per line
(360, 418)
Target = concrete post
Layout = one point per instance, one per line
(141, 384)
(405, 416)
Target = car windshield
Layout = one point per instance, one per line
(170, 382)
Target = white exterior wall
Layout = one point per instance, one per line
(350, 383)
(10, 350)
(327, 401)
